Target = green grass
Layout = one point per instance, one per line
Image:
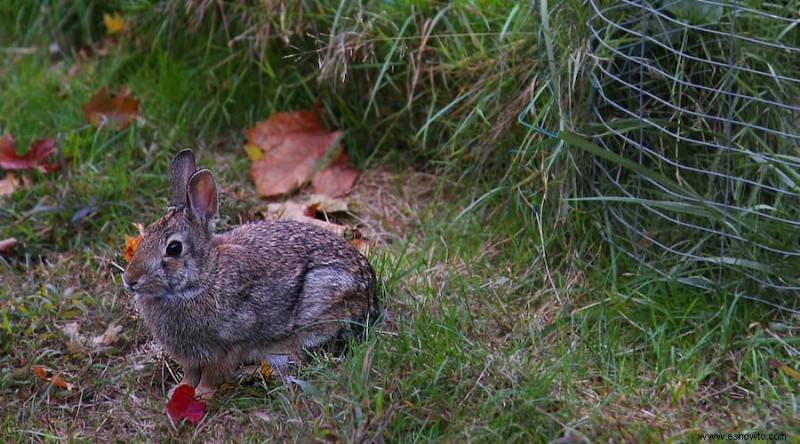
(723, 150)
(508, 317)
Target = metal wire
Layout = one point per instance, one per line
(706, 95)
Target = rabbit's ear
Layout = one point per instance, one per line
(202, 193)
(183, 166)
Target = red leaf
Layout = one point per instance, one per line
(183, 405)
(115, 109)
(293, 144)
(337, 178)
(34, 158)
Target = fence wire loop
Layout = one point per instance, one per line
(706, 94)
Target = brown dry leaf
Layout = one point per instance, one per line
(337, 178)
(58, 381)
(132, 242)
(300, 212)
(117, 109)
(361, 245)
(293, 145)
(13, 182)
(34, 158)
(10, 183)
(792, 373)
(76, 339)
(52, 377)
(6, 245)
(326, 204)
(108, 337)
(306, 211)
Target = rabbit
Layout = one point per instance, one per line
(268, 289)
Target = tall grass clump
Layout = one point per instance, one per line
(427, 85)
(700, 121)
(435, 85)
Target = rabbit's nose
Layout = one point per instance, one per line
(128, 283)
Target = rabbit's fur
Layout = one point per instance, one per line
(263, 290)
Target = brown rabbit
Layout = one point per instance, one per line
(263, 290)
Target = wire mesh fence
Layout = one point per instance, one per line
(703, 100)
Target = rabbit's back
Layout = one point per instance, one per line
(290, 275)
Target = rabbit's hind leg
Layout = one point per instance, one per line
(331, 301)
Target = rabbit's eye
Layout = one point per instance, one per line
(174, 249)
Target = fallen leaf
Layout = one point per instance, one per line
(132, 242)
(76, 339)
(6, 245)
(8, 185)
(183, 405)
(58, 381)
(114, 23)
(34, 158)
(11, 182)
(108, 337)
(104, 46)
(361, 245)
(75, 68)
(792, 373)
(315, 209)
(52, 377)
(266, 370)
(326, 204)
(337, 178)
(300, 212)
(117, 109)
(254, 152)
(39, 370)
(294, 145)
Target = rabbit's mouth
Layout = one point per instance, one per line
(137, 287)
(128, 287)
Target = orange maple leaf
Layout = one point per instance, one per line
(294, 145)
(132, 242)
(117, 109)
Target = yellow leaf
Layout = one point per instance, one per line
(254, 152)
(114, 23)
(266, 370)
(794, 374)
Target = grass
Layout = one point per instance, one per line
(729, 219)
(507, 316)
